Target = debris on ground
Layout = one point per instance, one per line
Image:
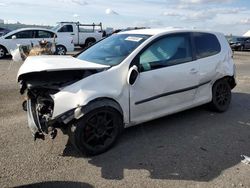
(23, 51)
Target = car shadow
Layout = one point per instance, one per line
(7, 57)
(57, 184)
(196, 144)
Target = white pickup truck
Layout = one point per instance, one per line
(83, 35)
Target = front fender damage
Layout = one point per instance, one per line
(39, 89)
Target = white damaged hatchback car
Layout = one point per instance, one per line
(126, 79)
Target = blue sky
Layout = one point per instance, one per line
(227, 16)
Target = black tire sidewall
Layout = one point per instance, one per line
(1, 47)
(214, 102)
(60, 46)
(80, 126)
(89, 42)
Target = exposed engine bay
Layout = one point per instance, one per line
(39, 104)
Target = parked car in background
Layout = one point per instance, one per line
(126, 79)
(83, 35)
(239, 43)
(32, 36)
(3, 31)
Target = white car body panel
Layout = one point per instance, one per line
(112, 83)
(11, 44)
(85, 91)
(55, 63)
(162, 82)
(213, 68)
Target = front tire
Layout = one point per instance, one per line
(221, 93)
(97, 131)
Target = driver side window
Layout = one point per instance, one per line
(23, 35)
(168, 51)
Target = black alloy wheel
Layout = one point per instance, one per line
(98, 130)
(221, 96)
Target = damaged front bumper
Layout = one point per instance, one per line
(33, 122)
(39, 130)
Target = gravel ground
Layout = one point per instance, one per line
(195, 148)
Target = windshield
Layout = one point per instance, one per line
(114, 49)
(2, 34)
(56, 27)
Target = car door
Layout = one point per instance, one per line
(207, 48)
(44, 35)
(167, 81)
(68, 31)
(247, 43)
(25, 37)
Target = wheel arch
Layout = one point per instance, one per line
(230, 80)
(62, 46)
(102, 102)
(74, 131)
(89, 39)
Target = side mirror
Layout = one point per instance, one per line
(132, 75)
(13, 37)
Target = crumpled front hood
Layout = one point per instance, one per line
(55, 63)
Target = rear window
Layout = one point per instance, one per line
(206, 45)
(44, 34)
(66, 28)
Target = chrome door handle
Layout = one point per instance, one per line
(193, 71)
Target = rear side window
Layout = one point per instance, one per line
(66, 28)
(206, 45)
(44, 34)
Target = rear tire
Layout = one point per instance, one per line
(60, 50)
(97, 131)
(2, 52)
(90, 42)
(221, 93)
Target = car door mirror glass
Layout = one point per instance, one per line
(13, 37)
(132, 75)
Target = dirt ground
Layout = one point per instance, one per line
(195, 148)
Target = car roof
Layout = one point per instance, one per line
(162, 31)
(26, 29)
